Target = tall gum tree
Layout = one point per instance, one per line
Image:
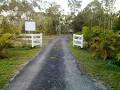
(109, 6)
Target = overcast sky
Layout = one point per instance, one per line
(64, 4)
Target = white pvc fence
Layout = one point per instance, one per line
(78, 40)
(32, 39)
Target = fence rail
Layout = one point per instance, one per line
(78, 40)
(32, 39)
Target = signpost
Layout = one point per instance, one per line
(30, 38)
(30, 26)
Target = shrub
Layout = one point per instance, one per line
(101, 42)
(8, 37)
(5, 41)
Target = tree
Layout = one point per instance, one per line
(116, 26)
(74, 6)
(109, 10)
(93, 14)
(54, 13)
(77, 23)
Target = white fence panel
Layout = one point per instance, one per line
(78, 40)
(35, 39)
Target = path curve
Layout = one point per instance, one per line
(55, 68)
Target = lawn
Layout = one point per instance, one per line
(98, 68)
(9, 66)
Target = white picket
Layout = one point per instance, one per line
(78, 40)
(35, 39)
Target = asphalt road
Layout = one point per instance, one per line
(55, 68)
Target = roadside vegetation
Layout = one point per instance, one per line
(100, 70)
(17, 58)
(100, 25)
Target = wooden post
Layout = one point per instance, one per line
(32, 38)
(73, 39)
(41, 40)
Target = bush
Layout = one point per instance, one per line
(100, 42)
(5, 41)
(8, 37)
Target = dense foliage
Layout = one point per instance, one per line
(116, 26)
(100, 26)
(102, 42)
(8, 35)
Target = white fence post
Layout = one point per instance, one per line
(32, 40)
(73, 39)
(78, 40)
(41, 40)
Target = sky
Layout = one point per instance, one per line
(64, 4)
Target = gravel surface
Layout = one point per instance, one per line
(54, 68)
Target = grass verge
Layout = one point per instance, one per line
(97, 68)
(18, 57)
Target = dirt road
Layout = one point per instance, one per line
(55, 68)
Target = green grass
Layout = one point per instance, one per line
(17, 57)
(98, 68)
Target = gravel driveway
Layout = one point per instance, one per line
(55, 68)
